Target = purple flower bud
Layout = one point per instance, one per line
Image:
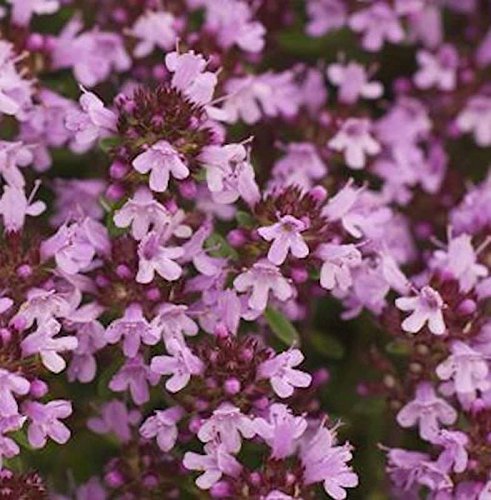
(38, 388)
(232, 386)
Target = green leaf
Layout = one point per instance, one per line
(244, 219)
(219, 247)
(282, 327)
(327, 345)
(108, 143)
(21, 439)
(398, 348)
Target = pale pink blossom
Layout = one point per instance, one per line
(426, 307)
(356, 142)
(263, 279)
(154, 29)
(280, 371)
(286, 237)
(161, 160)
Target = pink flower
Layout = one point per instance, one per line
(15, 91)
(181, 364)
(45, 422)
(162, 425)
(214, 464)
(229, 174)
(172, 322)
(460, 260)
(325, 16)
(190, 76)
(337, 262)
(134, 328)
(143, 213)
(355, 141)
(428, 411)
(226, 426)
(378, 23)
(476, 118)
(15, 206)
(467, 368)
(153, 257)
(135, 376)
(353, 83)
(22, 10)
(280, 430)
(154, 29)
(439, 70)
(231, 22)
(115, 418)
(271, 94)
(93, 122)
(10, 384)
(286, 237)
(75, 245)
(42, 342)
(323, 461)
(43, 306)
(427, 307)
(161, 160)
(93, 55)
(280, 371)
(12, 156)
(301, 166)
(263, 278)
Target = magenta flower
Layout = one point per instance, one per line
(378, 24)
(143, 213)
(135, 376)
(427, 307)
(172, 322)
(286, 237)
(115, 418)
(475, 118)
(162, 425)
(154, 258)
(281, 430)
(10, 384)
(12, 156)
(181, 365)
(214, 464)
(280, 371)
(22, 10)
(232, 23)
(337, 263)
(74, 246)
(439, 70)
(326, 462)
(15, 206)
(226, 426)
(467, 368)
(325, 16)
(154, 29)
(45, 422)
(454, 455)
(355, 141)
(92, 122)
(189, 76)
(44, 343)
(352, 82)
(15, 91)
(229, 174)
(134, 328)
(426, 410)
(262, 279)
(161, 160)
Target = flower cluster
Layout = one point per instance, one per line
(185, 190)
